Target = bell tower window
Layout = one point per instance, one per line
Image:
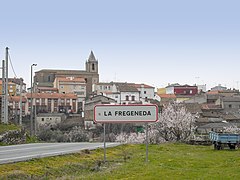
(93, 67)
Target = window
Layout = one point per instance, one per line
(230, 106)
(190, 91)
(93, 67)
(145, 92)
(116, 96)
(42, 119)
(133, 98)
(49, 78)
(80, 93)
(127, 98)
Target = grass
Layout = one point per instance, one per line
(166, 161)
(8, 127)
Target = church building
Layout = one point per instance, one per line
(45, 78)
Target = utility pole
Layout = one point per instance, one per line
(31, 115)
(4, 109)
(20, 108)
(35, 111)
(6, 88)
(3, 92)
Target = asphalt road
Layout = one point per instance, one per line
(23, 152)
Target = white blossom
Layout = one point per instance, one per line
(175, 123)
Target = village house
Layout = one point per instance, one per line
(70, 84)
(126, 93)
(89, 108)
(52, 102)
(182, 89)
(50, 119)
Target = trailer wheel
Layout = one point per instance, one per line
(215, 146)
(219, 146)
(231, 146)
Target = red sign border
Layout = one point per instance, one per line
(117, 121)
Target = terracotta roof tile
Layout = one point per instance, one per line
(210, 106)
(167, 95)
(71, 79)
(52, 95)
(141, 85)
(16, 99)
(213, 92)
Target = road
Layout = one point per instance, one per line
(23, 152)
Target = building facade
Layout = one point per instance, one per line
(46, 77)
(126, 93)
(52, 103)
(70, 84)
(182, 90)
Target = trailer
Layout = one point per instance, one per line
(219, 140)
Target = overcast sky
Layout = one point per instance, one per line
(155, 42)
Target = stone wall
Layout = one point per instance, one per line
(13, 137)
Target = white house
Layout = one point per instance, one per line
(126, 93)
(129, 94)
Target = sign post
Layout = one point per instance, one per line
(125, 114)
(104, 141)
(146, 142)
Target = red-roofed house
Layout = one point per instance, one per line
(52, 102)
(75, 85)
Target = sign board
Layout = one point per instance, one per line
(125, 113)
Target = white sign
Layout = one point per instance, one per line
(125, 113)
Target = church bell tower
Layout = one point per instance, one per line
(92, 64)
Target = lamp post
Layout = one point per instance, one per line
(31, 110)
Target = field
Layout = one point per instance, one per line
(166, 161)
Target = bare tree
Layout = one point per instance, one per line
(175, 123)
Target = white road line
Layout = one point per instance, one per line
(27, 157)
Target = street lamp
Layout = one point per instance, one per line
(31, 110)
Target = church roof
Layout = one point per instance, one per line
(91, 57)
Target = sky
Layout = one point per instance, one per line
(155, 42)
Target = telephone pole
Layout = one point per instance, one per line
(20, 108)
(3, 92)
(4, 109)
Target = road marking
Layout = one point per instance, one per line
(47, 154)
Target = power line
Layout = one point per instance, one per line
(12, 65)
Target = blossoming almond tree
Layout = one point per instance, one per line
(175, 123)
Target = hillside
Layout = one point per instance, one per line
(8, 127)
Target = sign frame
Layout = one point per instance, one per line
(127, 106)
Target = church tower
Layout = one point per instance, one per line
(92, 64)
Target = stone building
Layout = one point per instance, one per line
(46, 77)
